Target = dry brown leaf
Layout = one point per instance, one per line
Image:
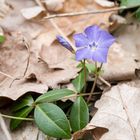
(118, 111)
(124, 58)
(81, 22)
(120, 64)
(19, 88)
(128, 36)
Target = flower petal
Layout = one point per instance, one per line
(93, 33)
(105, 40)
(84, 53)
(100, 55)
(64, 43)
(80, 40)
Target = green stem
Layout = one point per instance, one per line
(81, 94)
(85, 76)
(95, 80)
(17, 118)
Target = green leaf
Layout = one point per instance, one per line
(79, 115)
(23, 102)
(52, 121)
(132, 3)
(54, 95)
(90, 67)
(2, 38)
(23, 113)
(129, 2)
(79, 82)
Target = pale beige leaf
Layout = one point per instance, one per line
(31, 12)
(54, 5)
(119, 111)
(105, 3)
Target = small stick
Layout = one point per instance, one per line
(104, 81)
(81, 94)
(90, 12)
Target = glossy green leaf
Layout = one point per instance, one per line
(23, 102)
(54, 95)
(2, 38)
(52, 121)
(23, 113)
(79, 82)
(79, 115)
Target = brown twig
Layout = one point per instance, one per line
(90, 12)
(104, 81)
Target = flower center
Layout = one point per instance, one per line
(93, 46)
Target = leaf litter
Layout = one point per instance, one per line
(48, 69)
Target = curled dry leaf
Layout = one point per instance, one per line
(118, 111)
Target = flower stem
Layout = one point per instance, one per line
(85, 76)
(95, 80)
(17, 118)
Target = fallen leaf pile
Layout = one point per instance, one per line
(31, 60)
(32, 39)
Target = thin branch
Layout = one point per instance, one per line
(7, 75)
(4, 128)
(104, 81)
(81, 94)
(90, 12)
(85, 76)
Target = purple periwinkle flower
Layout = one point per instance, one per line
(64, 43)
(93, 44)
